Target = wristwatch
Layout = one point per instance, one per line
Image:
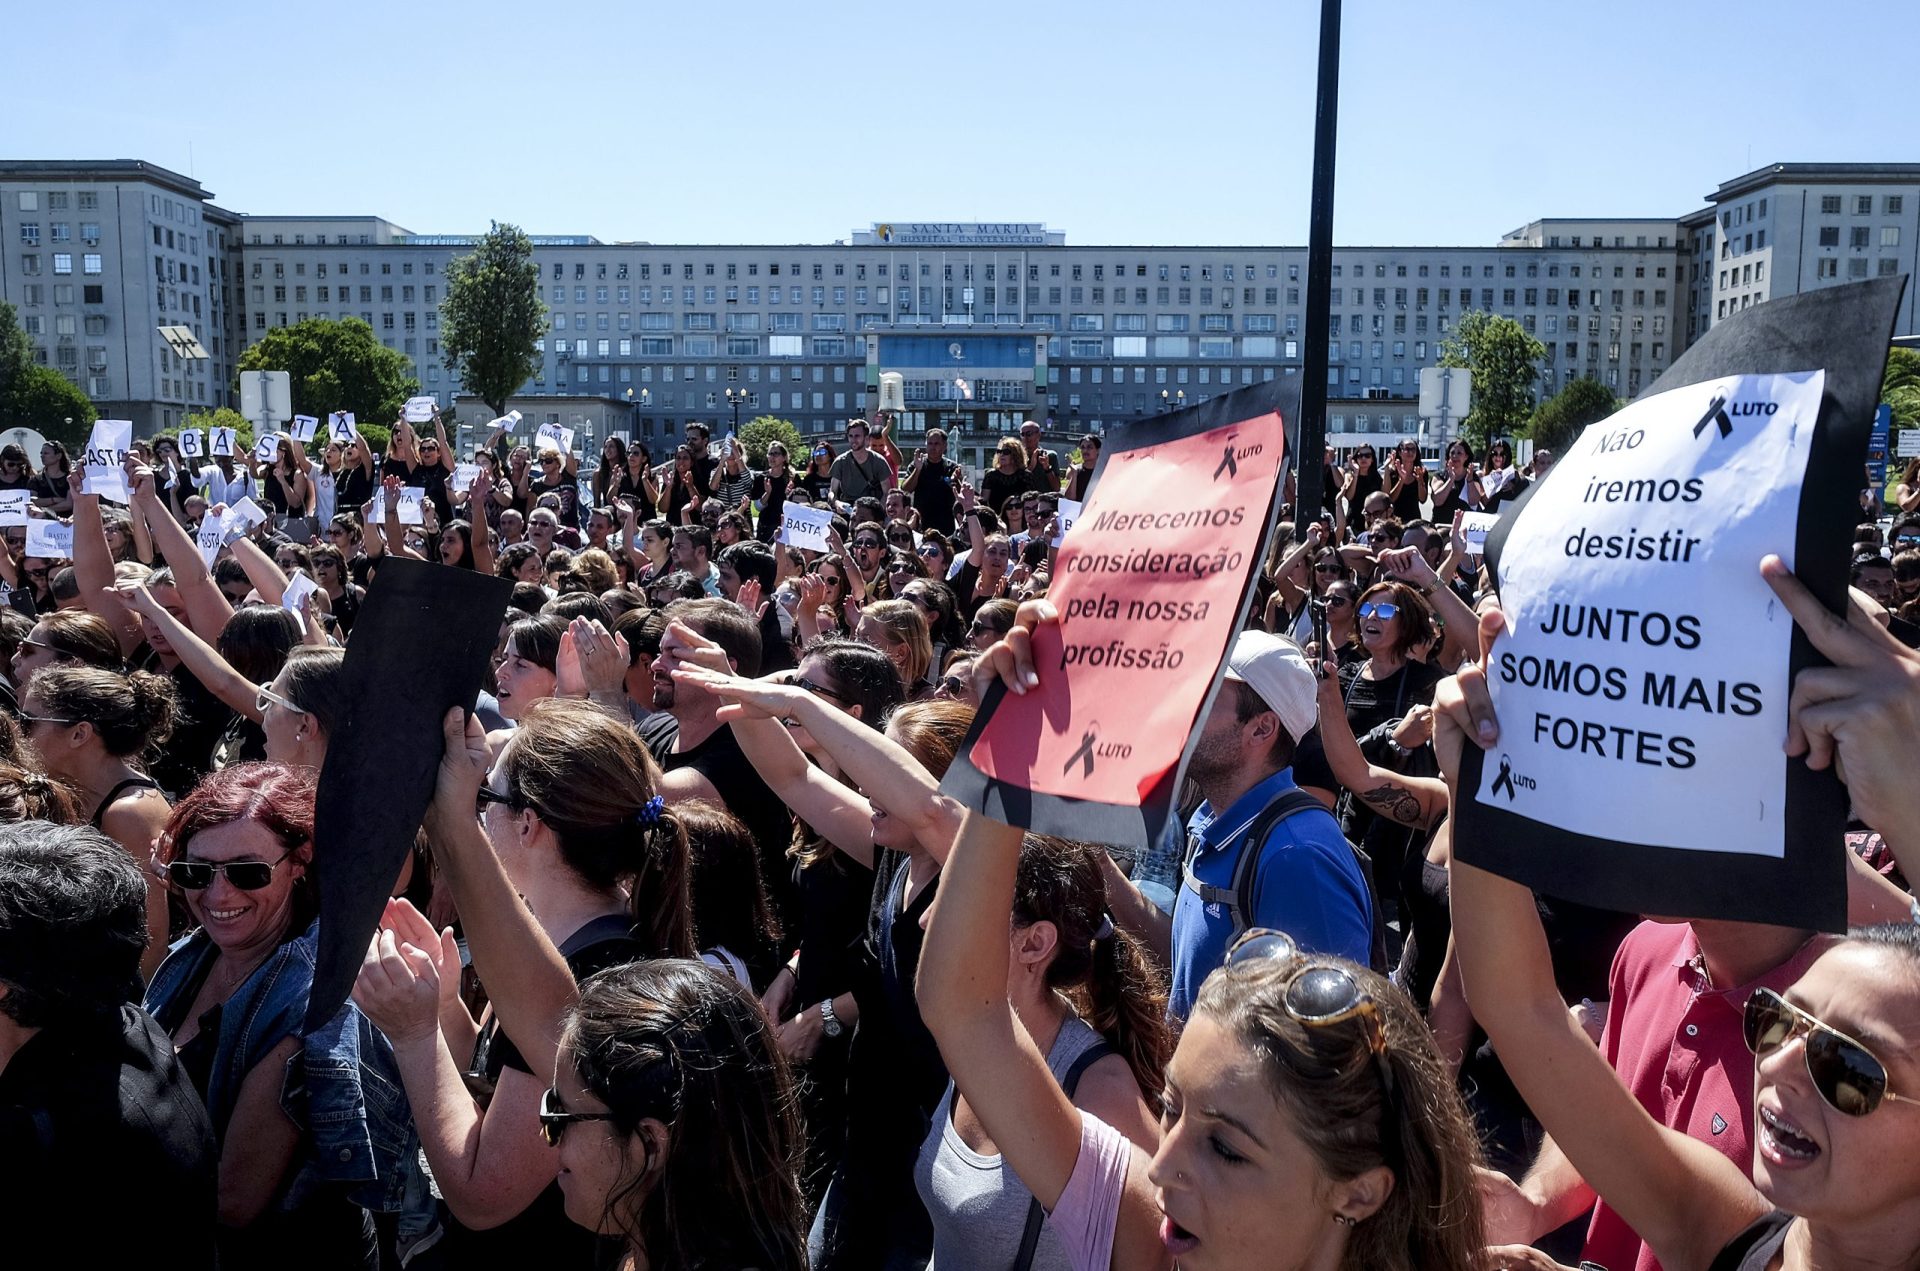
(829, 1022)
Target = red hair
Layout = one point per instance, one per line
(278, 796)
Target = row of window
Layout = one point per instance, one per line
(339, 268)
(1830, 204)
(57, 200)
(62, 263)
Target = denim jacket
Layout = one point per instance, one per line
(342, 1087)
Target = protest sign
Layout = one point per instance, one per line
(340, 426)
(1474, 527)
(193, 443)
(240, 519)
(265, 448)
(1151, 587)
(1643, 686)
(106, 449)
(294, 598)
(223, 441)
(1908, 443)
(1069, 513)
(419, 410)
(554, 437)
(14, 505)
(304, 427)
(508, 423)
(49, 540)
(408, 507)
(210, 537)
(464, 475)
(385, 746)
(804, 527)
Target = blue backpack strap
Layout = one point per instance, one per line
(1292, 803)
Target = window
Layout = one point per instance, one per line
(1830, 205)
(1857, 236)
(63, 262)
(1829, 236)
(1889, 236)
(1863, 205)
(1894, 202)
(30, 232)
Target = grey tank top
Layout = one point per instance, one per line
(977, 1203)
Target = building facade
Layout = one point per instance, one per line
(987, 323)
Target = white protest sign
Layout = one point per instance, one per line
(223, 441)
(419, 410)
(509, 422)
(209, 537)
(1645, 652)
(14, 505)
(106, 449)
(1907, 443)
(464, 475)
(299, 587)
(1069, 513)
(49, 540)
(304, 427)
(1474, 527)
(554, 437)
(265, 448)
(340, 426)
(193, 443)
(804, 527)
(240, 519)
(408, 506)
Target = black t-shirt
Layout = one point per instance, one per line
(997, 487)
(933, 494)
(105, 1141)
(1371, 703)
(353, 487)
(720, 760)
(770, 493)
(541, 1234)
(48, 486)
(1364, 483)
(430, 477)
(199, 723)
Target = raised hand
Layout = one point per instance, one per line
(399, 989)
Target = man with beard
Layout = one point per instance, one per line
(701, 758)
(1305, 880)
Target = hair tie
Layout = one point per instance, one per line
(649, 812)
(1105, 930)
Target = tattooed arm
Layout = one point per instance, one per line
(1415, 801)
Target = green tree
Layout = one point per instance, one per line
(1900, 387)
(756, 433)
(492, 318)
(1505, 362)
(43, 399)
(1561, 418)
(16, 350)
(335, 366)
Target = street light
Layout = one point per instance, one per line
(736, 398)
(1172, 401)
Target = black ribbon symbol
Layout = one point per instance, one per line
(1716, 414)
(1506, 779)
(1227, 465)
(1084, 755)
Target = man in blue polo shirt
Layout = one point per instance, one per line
(1306, 880)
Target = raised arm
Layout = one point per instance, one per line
(267, 578)
(440, 435)
(207, 610)
(1415, 801)
(482, 539)
(93, 570)
(201, 659)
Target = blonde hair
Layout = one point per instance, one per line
(907, 627)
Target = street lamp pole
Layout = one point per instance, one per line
(736, 398)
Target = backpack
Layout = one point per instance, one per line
(1238, 896)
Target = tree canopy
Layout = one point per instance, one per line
(756, 433)
(335, 365)
(38, 397)
(1505, 362)
(492, 317)
(1560, 420)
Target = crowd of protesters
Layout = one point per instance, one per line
(694, 966)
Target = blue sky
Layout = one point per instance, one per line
(1126, 122)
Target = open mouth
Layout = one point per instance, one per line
(224, 915)
(1782, 1142)
(1176, 1238)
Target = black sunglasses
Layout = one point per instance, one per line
(953, 686)
(45, 719)
(483, 796)
(818, 690)
(1846, 1074)
(867, 544)
(243, 875)
(554, 1117)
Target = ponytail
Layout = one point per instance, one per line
(1125, 1001)
(658, 891)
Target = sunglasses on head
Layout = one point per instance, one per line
(1385, 610)
(554, 1117)
(1317, 994)
(242, 875)
(1846, 1074)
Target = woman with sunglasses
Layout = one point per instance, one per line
(571, 811)
(892, 803)
(90, 728)
(358, 477)
(1502, 482)
(1459, 489)
(1362, 478)
(937, 550)
(898, 567)
(1089, 999)
(1394, 624)
(66, 637)
(52, 488)
(936, 604)
(817, 480)
(16, 470)
(686, 489)
(298, 1177)
(1834, 1180)
(286, 480)
(344, 597)
(672, 1113)
(1308, 1121)
(1406, 481)
(991, 622)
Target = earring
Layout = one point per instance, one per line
(1343, 1220)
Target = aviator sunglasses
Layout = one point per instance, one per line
(1846, 1074)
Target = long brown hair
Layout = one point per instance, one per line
(1331, 1088)
(675, 1041)
(1103, 971)
(588, 778)
(932, 732)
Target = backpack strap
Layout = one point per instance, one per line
(1036, 1216)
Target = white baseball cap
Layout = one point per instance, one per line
(1276, 669)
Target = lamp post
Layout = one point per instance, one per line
(736, 398)
(1172, 401)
